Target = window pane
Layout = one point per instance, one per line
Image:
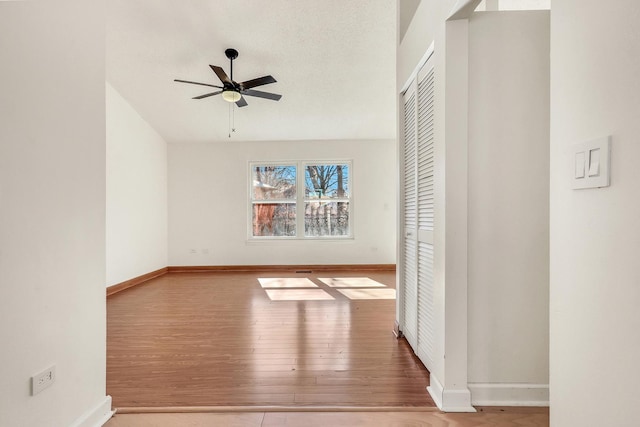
(326, 219)
(274, 182)
(274, 219)
(326, 181)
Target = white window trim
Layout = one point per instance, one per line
(299, 201)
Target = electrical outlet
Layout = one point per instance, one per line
(43, 380)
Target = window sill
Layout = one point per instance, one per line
(297, 240)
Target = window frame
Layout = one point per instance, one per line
(300, 200)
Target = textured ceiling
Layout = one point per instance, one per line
(334, 62)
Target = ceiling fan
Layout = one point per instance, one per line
(233, 91)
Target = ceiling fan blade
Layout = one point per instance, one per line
(207, 95)
(196, 83)
(260, 94)
(241, 102)
(257, 82)
(221, 74)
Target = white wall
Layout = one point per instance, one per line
(508, 231)
(595, 233)
(208, 204)
(136, 236)
(52, 211)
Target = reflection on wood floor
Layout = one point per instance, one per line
(217, 339)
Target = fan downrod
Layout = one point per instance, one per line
(231, 54)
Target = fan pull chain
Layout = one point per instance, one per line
(232, 119)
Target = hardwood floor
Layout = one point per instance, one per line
(217, 339)
(488, 417)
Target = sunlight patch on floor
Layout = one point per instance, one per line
(297, 294)
(286, 282)
(351, 282)
(368, 293)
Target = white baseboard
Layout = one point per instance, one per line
(448, 400)
(97, 416)
(435, 390)
(509, 394)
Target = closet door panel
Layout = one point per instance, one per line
(410, 222)
(417, 203)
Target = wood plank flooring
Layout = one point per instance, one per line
(488, 417)
(217, 339)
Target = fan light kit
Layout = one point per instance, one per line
(231, 95)
(233, 91)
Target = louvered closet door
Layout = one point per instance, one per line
(425, 163)
(418, 215)
(410, 222)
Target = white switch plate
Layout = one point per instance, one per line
(591, 161)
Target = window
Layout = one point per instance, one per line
(326, 200)
(274, 200)
(300, 200)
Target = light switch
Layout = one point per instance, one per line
(594, 162)
(579, 171)
(591, 163)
